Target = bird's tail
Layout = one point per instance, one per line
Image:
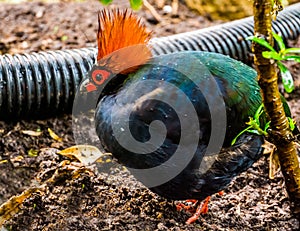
(232, 161)
(245, 152)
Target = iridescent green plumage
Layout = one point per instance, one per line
(236, 82)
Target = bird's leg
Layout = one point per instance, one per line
(201, 209)
(189, 208)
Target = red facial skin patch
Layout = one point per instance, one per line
(99, 76)
(90, 87)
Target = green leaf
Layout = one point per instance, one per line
(291, 123)
(272, 55)
(292, 50)
(105, 2)
(287, 78)
(254, 131)
(292, 57)
(279, 40)
(267, 126)
(136, 4)
(254, 125)
(238, 135)
(262, 42)
(258, 113)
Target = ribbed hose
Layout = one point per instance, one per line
(45, 83)
(228, 38)
(41, 84)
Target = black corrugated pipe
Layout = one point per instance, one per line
(44, 83)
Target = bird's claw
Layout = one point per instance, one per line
(201, 209)
(188, 208)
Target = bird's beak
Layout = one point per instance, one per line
(86, 85)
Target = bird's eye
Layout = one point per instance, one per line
(99, 76)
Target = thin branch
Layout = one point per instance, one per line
(281, 134)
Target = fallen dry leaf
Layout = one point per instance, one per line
(54, 136)
(32, 133)
(12, 206)
(86, 154)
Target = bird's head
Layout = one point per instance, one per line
(122, 47)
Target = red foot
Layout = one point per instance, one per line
(201, 209)
(187, 208)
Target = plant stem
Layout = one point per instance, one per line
(280, 134)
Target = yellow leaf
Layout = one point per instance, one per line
(159, 215)
(32, 133)
(54, 136)
(17, 158)
(12, 206)
(268, 148)
(274, 165)
(86, 154)
(33, 153)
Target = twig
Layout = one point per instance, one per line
(152, 10)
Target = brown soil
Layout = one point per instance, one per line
(105, 196)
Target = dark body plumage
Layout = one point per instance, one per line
(237, 86)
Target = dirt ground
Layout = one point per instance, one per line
(105, 196)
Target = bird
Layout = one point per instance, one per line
(151, 108)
